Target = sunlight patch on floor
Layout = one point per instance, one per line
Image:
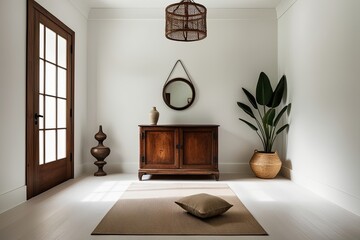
(255, 192)
(261, 196)
(108, 191)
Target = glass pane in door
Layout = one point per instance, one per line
(61, 113)
(41, 76)
(61, 81)
(41, 112)
(50, 112)
(61, 51)
(50, 146)
(61, 144)
(41, 147)
(50, 45)
(41, 41)
(50, 79)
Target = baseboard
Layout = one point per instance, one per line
(242, 168)
(12, 198)
(127, 167)
(339, 197)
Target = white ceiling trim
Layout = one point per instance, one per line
(159, 14)
(163, 3)
(81, 6)
(283, 6)
(149, 7)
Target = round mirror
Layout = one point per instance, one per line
(179, 93)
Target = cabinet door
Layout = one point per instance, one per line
(199, 148)
(158, 148)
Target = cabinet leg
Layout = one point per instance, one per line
(140, 174)
(217, 176)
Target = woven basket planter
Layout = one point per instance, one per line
(265, 165)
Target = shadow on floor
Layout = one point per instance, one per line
(223, 177)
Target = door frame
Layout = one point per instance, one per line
(31, 73)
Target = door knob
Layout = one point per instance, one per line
(36, 117)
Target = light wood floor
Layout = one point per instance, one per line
(72, 210)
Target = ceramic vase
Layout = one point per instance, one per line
(154, 116)
(100, 152)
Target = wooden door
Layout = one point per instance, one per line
(199, 148)
(49, 120)
(158, 149)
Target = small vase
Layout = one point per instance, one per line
(154, 116)
(265, 165)
(100, 152)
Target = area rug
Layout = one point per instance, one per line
(150, 209)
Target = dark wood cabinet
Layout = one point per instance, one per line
(179, 149)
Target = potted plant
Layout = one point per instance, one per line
(266, 163)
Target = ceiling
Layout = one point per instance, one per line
(163, 3)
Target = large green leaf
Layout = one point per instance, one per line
(282, 128)
(246, 109)
(267, 133)
(263, 90)
(289, 109)
(269, 117)
(278, 117)
(249, 124)
(278, 93)
(251, 98)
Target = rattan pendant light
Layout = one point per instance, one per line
(185, 21)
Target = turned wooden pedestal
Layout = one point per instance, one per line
(100, 152)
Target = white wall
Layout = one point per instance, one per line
(13, 92)
(12, 102)
(129, 60)
(319, 51)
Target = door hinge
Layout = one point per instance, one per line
(143, 159)
(71, 48)
(71, 157)
(178, 146)
(70, 112)
(142, 135)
